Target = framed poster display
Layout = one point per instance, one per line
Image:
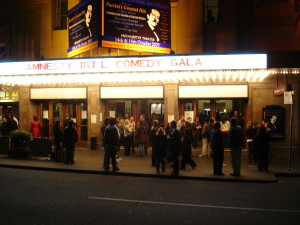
(275, 117)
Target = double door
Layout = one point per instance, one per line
(49, 112)
(151, 108)
(212, 108)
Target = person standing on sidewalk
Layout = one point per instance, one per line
(261, 147)
(70, 137)
(57, 141)
(174, 146)
(216, 144)
(250, 134)
(225, 126)
(132, 127)
(161, 148)
(141, 137)
(205, 140)
(102, 129)
(128, 137)
(235, 145)
(36, 127)
(153, 131)
(111, 141)
(187, 136)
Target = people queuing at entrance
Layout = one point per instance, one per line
(172, 145)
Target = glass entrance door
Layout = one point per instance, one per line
(54, 111)
(213, 108)
(151, 108)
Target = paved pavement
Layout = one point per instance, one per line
(91, 161)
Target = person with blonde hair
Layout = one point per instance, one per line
(128, 137)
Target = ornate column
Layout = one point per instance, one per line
(171, 100)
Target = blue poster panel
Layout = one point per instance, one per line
(140, 25)
(83, 27)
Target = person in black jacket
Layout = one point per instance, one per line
(161, 148)
(261, 147)
(111, 141)
(250, 134)
(155, 145)
(236, 145)
(187, 136)
(57, 141)
(70, 137)
(174, 146)
(217, 147)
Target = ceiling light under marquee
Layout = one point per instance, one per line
(132, 77)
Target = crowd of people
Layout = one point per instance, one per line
(170, 144)
(173, 143)
(64, 137)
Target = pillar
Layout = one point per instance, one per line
(26, 108)
(94, 110)
(171, 101)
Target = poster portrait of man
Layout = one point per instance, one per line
(151, 30)
(274, 117)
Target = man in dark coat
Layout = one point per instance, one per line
(174, 146)
(187, 136)
(111, 141)
(216, 144)
(70, 137)
(235, 145)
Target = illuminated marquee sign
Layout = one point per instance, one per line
(137, 64)
(136, 25)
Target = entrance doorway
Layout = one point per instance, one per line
(49, 112)
(212, 108)
(120, 109)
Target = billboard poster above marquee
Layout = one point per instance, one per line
(140, 25)
(137, 64)
(83, 27)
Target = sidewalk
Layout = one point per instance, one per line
(91, 161)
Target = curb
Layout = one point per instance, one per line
(220, 179)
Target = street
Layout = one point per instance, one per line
(41, 197)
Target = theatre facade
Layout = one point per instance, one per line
(161, 87)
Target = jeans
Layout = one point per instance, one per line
(142, 150)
